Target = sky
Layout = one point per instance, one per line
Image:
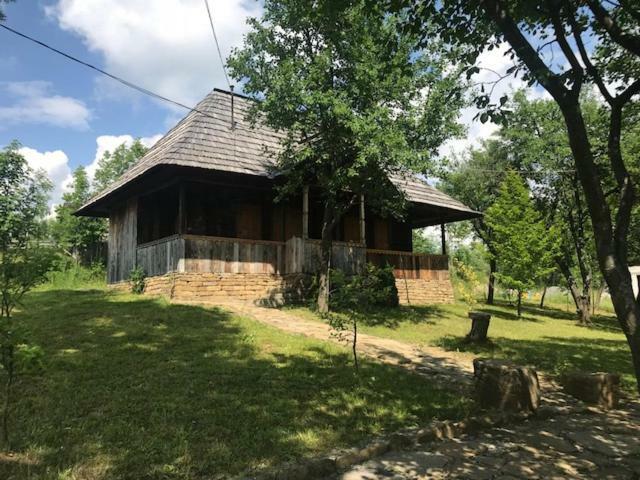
(65, 115)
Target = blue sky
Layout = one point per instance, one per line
(66, 115)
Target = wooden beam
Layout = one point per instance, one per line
(443, 238)
(363, 233)
(305, 212)
(181, 210)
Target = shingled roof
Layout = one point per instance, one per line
(204, 139)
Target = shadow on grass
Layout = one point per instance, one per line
(554, 354)
(137, 388)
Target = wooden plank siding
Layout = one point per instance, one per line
(161, 256)
(303, 256)
(410, 265)
(122, 241)
(231, 255)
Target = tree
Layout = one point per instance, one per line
(355, 99)
(475, 180)
(535, 137)
(566, 46)
(77, 234)
(23, 262)
(113, 164)
(523, 244)
(424, 243)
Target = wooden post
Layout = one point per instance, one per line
(363, 233)
(443, 238)
(181, 212)
(305, 212)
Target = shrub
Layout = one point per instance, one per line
(137, 279)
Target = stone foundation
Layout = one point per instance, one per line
(421, 291)
(273, 289)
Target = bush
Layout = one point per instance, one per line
(376, 285)
(137, 279)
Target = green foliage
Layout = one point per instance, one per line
(348, 89)
(69, 274)
(113, 164)
(77, 233)
(374, 287)
(468, 284)
(137, 279)
(23, 262)
(525, 247)
(354, 297)
(424, 244)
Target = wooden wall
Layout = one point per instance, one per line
(411, 266)
(228, 255)
(122, 241)
(305, 256)
(161, 256)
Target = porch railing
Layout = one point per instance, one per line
(411, 265)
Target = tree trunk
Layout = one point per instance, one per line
(544, 294)
(610, 240)
(325, 256)
(582, 305)
(492, 281)
(354, 345)
(7, 397)
(519, 306)
(610, 247)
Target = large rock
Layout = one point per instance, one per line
(503, 385)
(602, 389)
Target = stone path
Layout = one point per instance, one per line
(575, 444)
(588, 445)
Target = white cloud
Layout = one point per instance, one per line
(493, 64)
(35, 103)
(108, 143)
(164, 46)
(56, 166)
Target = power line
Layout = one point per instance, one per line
(103, 72)
(215, 38)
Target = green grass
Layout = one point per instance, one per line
(138, 388)
(548, 339)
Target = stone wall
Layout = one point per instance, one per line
(265, 288)
(274, 289)
(419, 291)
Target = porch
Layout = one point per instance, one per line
(205, 267)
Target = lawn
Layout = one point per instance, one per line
(135, 387)
(547, 338)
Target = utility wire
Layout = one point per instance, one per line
(215, 39)
(103, 72)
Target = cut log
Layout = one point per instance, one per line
(479, 327)
(503, 385)
(602, 389)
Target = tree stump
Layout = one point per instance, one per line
(479, 327)
(503, 385)
(602, 389)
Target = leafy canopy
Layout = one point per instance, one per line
(524, 246)
(113, 164)
(73, 232)
(354, 96)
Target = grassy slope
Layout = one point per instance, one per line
(137, 388)
(549, 339)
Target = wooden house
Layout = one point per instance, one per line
(197, 214)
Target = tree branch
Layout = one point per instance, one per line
(625, 40)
